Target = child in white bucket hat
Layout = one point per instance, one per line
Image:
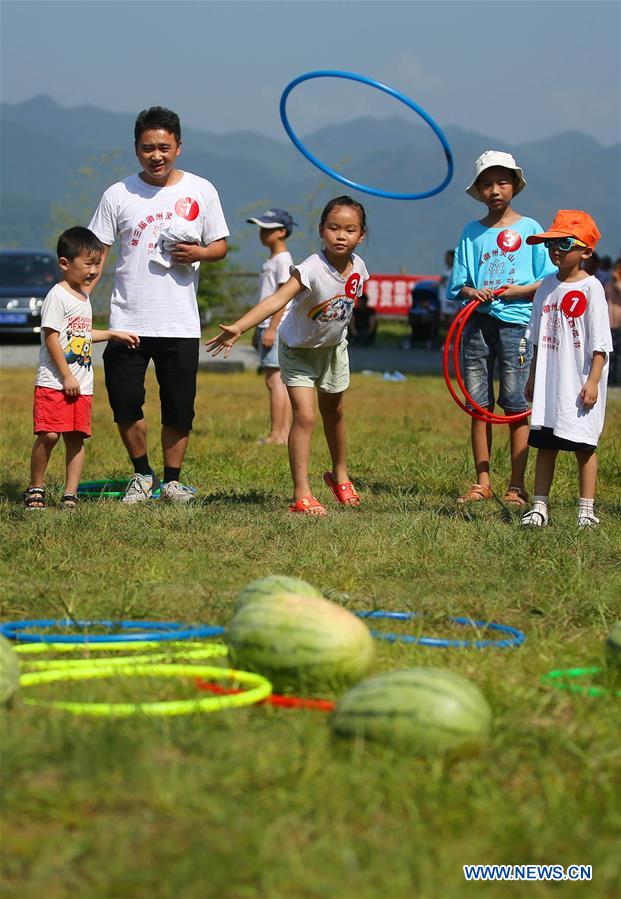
(492, 255)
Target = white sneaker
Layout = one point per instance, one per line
(139, 489)
(175, 492)
(588, 521)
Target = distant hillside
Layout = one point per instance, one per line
(53, 156)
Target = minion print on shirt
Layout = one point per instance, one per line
(79, 342)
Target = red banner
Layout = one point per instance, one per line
(392, 294)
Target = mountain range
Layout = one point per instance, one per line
(56, 162)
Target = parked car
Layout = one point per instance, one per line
(26, 276)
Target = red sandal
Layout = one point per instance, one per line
(308, 505)
(345, 493)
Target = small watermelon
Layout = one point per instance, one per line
(613, 648)
(274, 583)
(300, 641)
(425, 711)
(9, 671)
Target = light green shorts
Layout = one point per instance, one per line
(325, 367)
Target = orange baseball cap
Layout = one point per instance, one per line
(570, 223)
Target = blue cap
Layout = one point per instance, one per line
(273, 218)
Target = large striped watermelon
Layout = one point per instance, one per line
(274, 583)
(300, 641)
(420, 710)
(9, 671)
(613, 648)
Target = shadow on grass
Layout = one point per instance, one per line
(12, 490)
(235, 498)
(379, 487)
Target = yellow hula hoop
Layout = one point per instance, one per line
(209, 651)
(260, 688)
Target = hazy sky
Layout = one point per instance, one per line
(522, 69)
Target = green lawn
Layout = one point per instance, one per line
(261, 803)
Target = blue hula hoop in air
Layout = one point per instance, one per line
(516, 637)
(147, 630)
(375, 191)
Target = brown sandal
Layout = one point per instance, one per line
(475, 494)
(515, 496)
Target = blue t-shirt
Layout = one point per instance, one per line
(493, 257)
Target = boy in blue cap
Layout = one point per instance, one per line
(275, 227)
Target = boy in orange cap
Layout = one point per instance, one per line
(571, 339)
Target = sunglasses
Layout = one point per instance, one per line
(564, 244)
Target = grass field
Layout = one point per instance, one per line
(261, 803)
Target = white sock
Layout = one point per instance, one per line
(585, 507)
(586, 515)
(540, 504)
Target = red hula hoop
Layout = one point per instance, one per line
(454, 336)
(287, 702)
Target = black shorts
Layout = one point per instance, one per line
(545, 438)
(176, 365)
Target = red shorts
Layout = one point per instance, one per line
(55, 412)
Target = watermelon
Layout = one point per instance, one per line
(613, 648)
(300, 640)
(274, 583)
(425, 711)
(9, 671)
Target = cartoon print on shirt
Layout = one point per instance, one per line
(87, 359)
(78, 349)
(340, 307)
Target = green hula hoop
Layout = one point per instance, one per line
(107, 488)
(210, 651)
(558, 679)
(260, 688)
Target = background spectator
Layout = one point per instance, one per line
(363, 323)
(613, 297)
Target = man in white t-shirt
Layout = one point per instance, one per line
(276, 226)
(168, 221)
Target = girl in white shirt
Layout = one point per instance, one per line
(313, 346)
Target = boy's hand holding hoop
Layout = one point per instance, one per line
(229, 335)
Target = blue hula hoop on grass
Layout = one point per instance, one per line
(516, 637)
(375, 191)
(149, 630)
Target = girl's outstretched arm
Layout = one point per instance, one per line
(230, 334)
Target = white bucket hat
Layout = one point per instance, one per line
(489, 159)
